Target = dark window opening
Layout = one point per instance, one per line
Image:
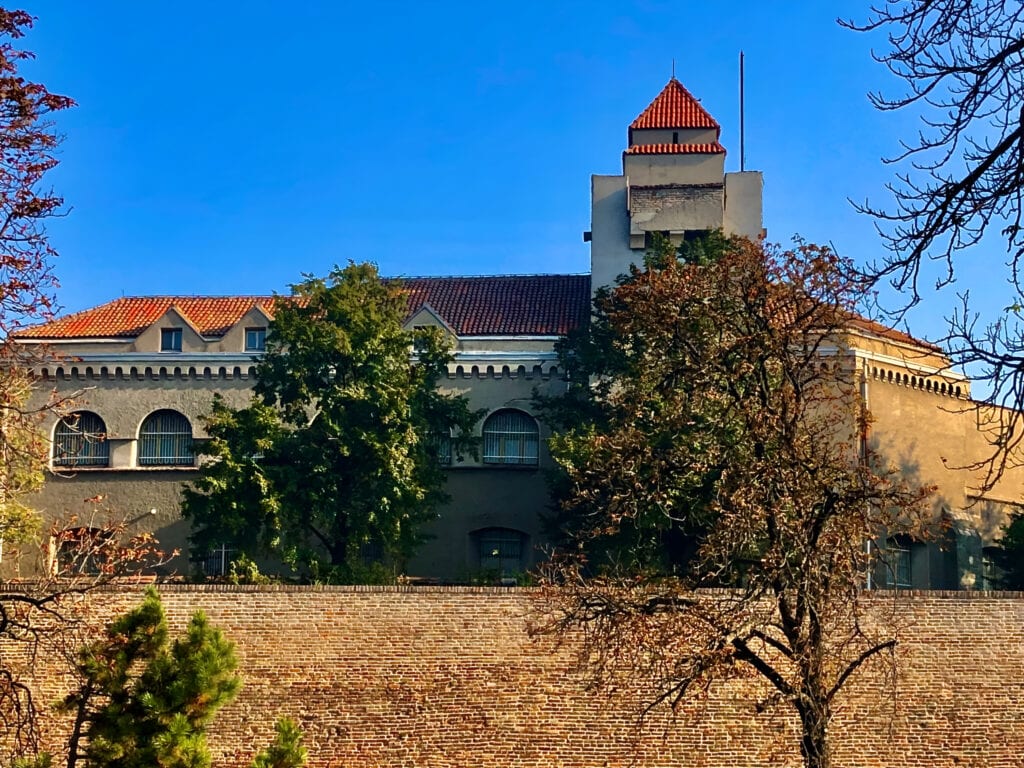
(501, 551)
(170, 340)
(255, 339)
(82, 552)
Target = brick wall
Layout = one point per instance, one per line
(448, 677)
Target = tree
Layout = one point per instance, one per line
(962, 64)
(28, 143)
(146, 700)
(729, 416)
(38, 619)
(1008, 555)
(338, 452)
(961, 180)
(35, 616)
(286, 751)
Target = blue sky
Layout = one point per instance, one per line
(229, 147)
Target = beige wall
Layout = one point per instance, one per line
(665, 135)
(645, 170)
(743, 195)
(610, 254)
(494, 373)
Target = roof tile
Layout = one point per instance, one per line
(674, 107)
(713, 148)
(543, 305)
(129, 316)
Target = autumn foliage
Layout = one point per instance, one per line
(720, 440)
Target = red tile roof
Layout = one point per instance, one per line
(713, 148)
(674, 107)
(129, 316)
(506, 305)
(893, 334)
(543, 305)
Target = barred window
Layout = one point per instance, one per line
(80, 440)
(500, 550)
(165, 440)
(441, 445)
(217, 561)
(511, 437)
(898, 562)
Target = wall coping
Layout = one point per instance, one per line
(139, 585)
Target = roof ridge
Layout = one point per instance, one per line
(488, 277)
(194, 296)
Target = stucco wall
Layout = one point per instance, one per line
(646, 169)
(448, 678)
(482, 496)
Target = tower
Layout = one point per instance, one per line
(673, 182)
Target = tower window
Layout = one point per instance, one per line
(675, 137)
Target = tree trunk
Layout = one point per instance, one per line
(81, 713)
(814, 739)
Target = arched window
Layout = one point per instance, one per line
(501, 551)
(511, 437)
(80, 440)
(165, 440)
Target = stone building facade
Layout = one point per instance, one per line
(143, 370)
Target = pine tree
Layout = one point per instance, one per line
(286, 751)
(145, 700)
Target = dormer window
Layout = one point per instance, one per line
(255, 339)
(170, 339)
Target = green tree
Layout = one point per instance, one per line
(146, 700)
(1009, 553)
(338, 451)
(286, 751)
(726, 445)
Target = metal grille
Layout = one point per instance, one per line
(898, 561)
(501, 550)
(165, 440)
(511, 437)
(80, 440)
(442, 445)
(218, 561)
